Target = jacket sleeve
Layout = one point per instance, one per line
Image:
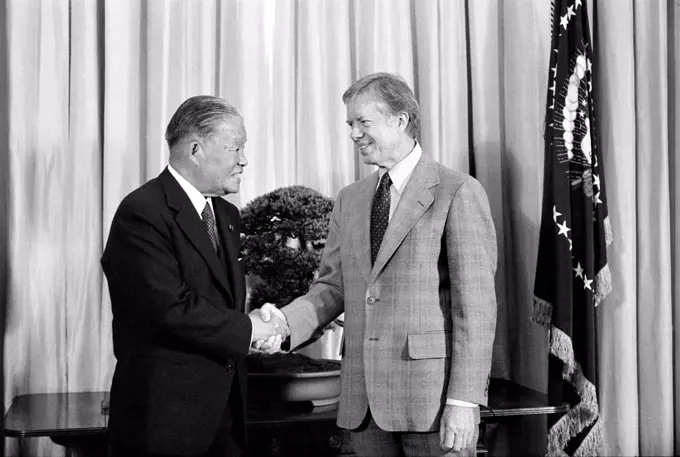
(147, 287)
(325, 300)
(472, 255)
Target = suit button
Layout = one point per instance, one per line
(230, 367)
(370, 300)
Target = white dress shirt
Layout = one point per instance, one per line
(196, 197)
(400, 173)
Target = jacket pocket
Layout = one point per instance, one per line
(429, 345)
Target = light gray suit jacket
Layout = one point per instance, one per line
(420, 323)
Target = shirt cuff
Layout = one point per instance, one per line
(467, 404)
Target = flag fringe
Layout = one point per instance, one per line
(542, 313)
(608, 233)
(591, 444)
(603, 284)
(582, 414)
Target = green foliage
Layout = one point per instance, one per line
(283, 234)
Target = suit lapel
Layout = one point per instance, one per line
(360, 224)
(415, 200)
(229, 234)
(190, 223)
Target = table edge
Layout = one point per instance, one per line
(10, 433)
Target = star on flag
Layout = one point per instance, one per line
(578, 270)
(570, 12)
(555, 213)
(563, 229)
(586, 283)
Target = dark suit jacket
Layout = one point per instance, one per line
(179, 331)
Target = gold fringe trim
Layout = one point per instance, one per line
(608, 233)
(542, 313)
(603, 284)
(584, 413)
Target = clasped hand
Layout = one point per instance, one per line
(270, 329)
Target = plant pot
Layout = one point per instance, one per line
(293, 378)
(320, 388)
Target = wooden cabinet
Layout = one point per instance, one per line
(298, 440)
(296, 431)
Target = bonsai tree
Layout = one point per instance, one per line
(283, 234)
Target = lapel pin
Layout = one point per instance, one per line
(230, 227)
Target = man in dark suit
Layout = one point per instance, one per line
(178, 294)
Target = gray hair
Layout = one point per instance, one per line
(201, 115)
(393, 92)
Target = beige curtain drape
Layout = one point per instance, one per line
(638, 56)
(87, 87)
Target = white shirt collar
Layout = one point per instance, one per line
(402, 171)
(197, 199)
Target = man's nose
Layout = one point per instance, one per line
(356, 133)
(243, 160)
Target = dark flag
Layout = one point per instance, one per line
(572, 276)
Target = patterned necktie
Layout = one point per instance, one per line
(380, 214)
(209, 221)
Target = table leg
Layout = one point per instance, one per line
(481, 441)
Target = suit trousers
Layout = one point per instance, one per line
(369, 440)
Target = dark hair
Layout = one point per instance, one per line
(200, 115)
(393, 93)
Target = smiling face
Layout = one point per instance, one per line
(377, 134)
(220, 159)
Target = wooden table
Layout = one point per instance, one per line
(78, 421)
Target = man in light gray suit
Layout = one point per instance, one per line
(410, 259)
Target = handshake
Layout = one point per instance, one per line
(270, 329)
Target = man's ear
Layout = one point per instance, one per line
(195, 150)
(403, 119)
